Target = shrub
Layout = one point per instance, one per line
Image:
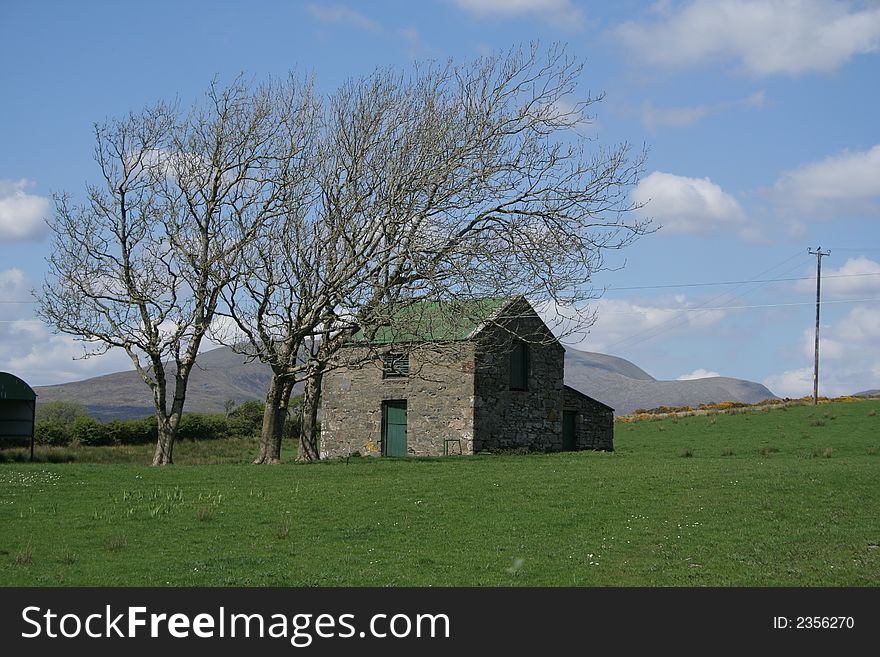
(89, 432)
(202, 426)
(65, 412)
(51, 432)
(247, 419)
(137, 432)
(115, 432)
(727, 451)
(723, 406)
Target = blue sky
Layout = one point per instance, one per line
(761, 120)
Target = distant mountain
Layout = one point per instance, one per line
(626, 387)
(868, 393)
(221, 374)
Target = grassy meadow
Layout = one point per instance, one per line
(787, 496)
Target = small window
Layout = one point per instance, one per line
(519, 366)
(395, 366)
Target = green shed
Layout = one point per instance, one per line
(18, 405)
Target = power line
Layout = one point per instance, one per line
(761, 305)
(673, 322)
(695, 309)
(614, 288)
(753, 280)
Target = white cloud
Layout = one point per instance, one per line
(41, 358)
(222, 331)
(858, 276)
(342, 14)
(766, 37)
(13, 285)
(698, 373)
(559, 13)
(848, 181)
(21, 214)
(623, 323)
(849, 357)
(855, 336)
(677, 117)
(792, 383)
(692, 205)
(30, 351)
(411, 35)
(415, 45)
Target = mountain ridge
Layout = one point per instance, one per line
(221, 374)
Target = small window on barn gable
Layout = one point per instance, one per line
(395, 366)
(519, 366)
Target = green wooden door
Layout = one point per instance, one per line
(568, 438)
(394, 428)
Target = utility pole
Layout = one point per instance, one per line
(818, 253)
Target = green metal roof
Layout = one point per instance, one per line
(434, 321)
(12, 388)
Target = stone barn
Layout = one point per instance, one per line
(477, 376)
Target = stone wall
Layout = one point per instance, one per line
(594, 422)
(439, 394)
(508, 419)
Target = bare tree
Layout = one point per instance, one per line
(141, 265)
(452, 182)
(477, 183)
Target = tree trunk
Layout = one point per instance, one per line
(273, 423)
(281, 416)
(308, 439)
(166, 423)
(167, 429)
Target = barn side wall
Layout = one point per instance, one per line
(439, 393)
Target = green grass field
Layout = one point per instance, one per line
(784, 497)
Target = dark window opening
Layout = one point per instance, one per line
(395, 366)
(519, 366)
